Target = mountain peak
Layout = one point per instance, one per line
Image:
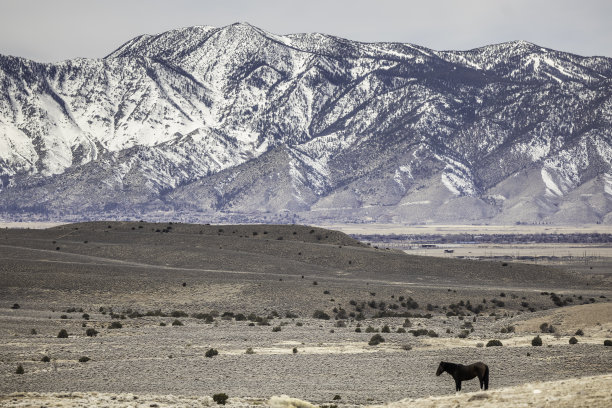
(166, 43)
(243, 24)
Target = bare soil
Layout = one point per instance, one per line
(592, 392)
(117, 272)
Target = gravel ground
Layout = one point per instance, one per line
(143, 357)
(120, 270)
(592, 392)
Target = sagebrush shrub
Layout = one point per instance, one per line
(210, 353)
(63, 334)
(536, 341)
(376, 340)
(220, 398)
(494, 343)
(319, 314)
(370, 329)
(546, 328)
(463, 334)
(178, 313)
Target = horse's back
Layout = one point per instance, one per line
(473, 370)
(480, 365)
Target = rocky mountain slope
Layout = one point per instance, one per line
(239, 124)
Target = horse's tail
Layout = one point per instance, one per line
(486, 377)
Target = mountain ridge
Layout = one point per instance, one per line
(363, 132)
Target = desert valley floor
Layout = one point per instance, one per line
(290, 310)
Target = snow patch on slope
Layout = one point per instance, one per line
(608, 183)
(551, 187)
(16, 148)
(457, 177)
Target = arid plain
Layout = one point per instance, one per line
(290, 311)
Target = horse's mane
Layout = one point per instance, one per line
(448, 365)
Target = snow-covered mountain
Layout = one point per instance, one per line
(236, 123)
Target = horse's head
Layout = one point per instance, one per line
(440, 368)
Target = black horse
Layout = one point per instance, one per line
(462, 372)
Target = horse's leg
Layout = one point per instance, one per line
(458, 385)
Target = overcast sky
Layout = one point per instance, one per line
(48, 31)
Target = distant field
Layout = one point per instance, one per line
(469, 229)
(580, 252)
(30, 225)
(585, 258)
(497, 243)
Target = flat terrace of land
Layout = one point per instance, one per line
(387, 229)
(592, 392)
(30, 224)
(578, 249)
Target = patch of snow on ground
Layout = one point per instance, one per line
(551, 187)
(608, 183)
(457, 177)
(402, 171)
(16, 147)
(449, 179)
(424, 202)
(498, 197)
